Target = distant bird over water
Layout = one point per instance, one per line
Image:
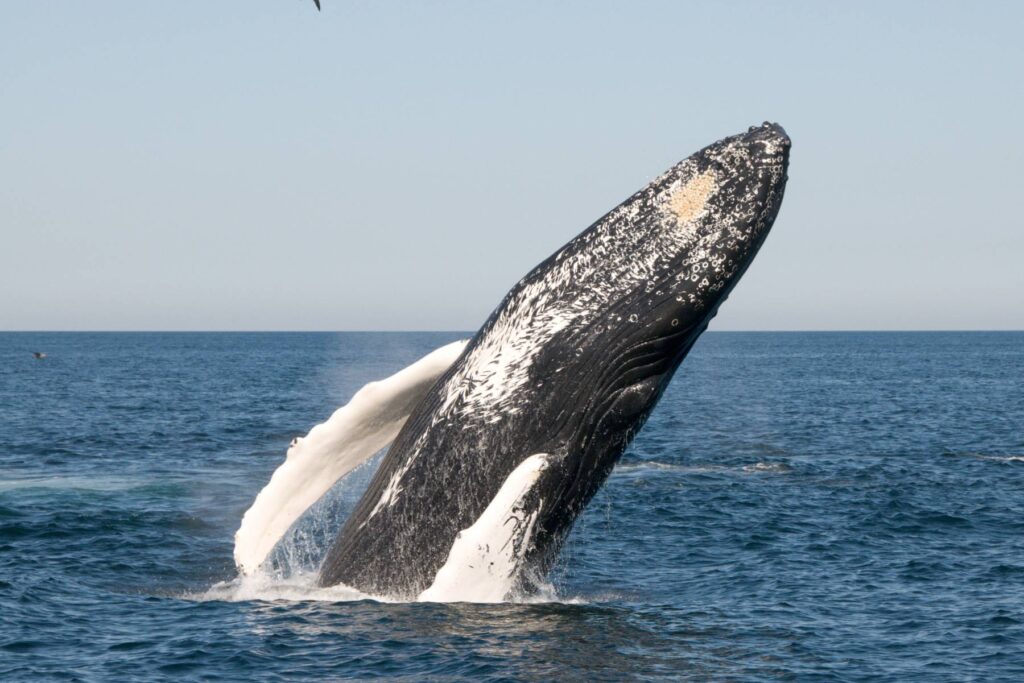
(39, 354)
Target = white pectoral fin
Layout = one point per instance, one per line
(357, 430)
(484, 559)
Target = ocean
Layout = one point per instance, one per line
(800, 506)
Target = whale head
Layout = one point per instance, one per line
(629, 295)
(686, 240)
(620, 306)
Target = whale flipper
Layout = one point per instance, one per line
(483, 562)
(367, 423)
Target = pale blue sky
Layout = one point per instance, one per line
(399, 165)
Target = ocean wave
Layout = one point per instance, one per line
(767, 468)
(72, 483)
(653, 466)
(1009, 457)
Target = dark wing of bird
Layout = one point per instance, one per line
(317, 5)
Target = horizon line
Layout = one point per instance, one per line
(472, 332)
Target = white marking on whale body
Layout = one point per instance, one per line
(484, 559)
(357, 430)
(391, 491)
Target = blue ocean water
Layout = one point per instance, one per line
(844, 506)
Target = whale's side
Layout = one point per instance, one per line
(568, 366)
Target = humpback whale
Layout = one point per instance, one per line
(498, 443)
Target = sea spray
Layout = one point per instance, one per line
(332, 449)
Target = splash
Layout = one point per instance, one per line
(292, 569)
(260, 587)
(303, 587)
(357, 430)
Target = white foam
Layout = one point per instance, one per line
(648, 466)
(267, 588)
(303, 587)
(1002, 458)
(767, 468)
(651, 466)
(483, 562)
(368, 423)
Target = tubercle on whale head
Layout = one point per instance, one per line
(771, 132)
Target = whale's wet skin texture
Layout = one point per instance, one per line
(493, 465)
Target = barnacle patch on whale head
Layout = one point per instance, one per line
(686, 202)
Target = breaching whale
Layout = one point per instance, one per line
(500, 442)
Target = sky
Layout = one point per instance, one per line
(399, 165)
